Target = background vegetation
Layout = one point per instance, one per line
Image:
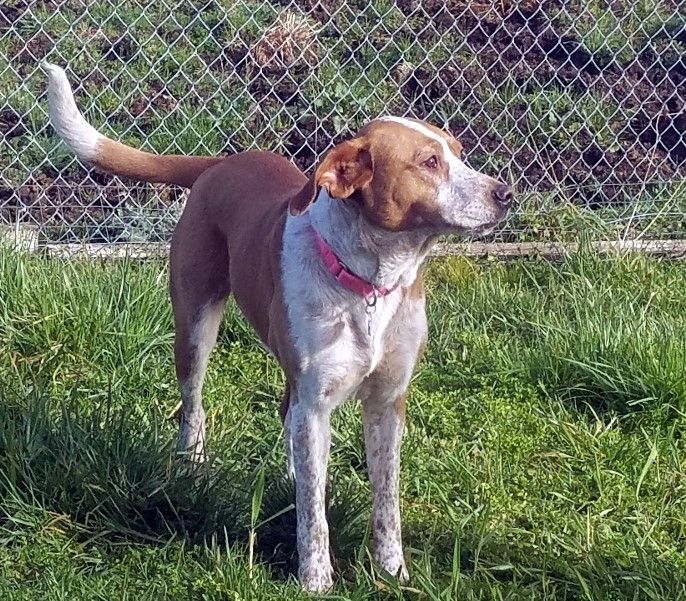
(579, 103)
(544, 455)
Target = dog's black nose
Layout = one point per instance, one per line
(503, 195)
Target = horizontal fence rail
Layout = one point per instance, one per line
(674, 249)
(580, 104)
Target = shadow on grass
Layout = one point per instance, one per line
(120, 480)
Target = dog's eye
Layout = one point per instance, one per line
(431, 162)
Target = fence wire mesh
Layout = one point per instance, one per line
(581, 104)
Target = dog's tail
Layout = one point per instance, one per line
(92, 146)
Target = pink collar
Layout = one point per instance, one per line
(343, 275)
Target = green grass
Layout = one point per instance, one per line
(619, 31)
(544, 454)
(559, 217)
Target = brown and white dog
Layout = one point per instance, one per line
(326, 269)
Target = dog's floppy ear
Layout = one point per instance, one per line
(345, 168)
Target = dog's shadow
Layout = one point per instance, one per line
(120, 480)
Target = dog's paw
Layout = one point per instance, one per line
(393, 564)
(316, 579)
(191, 441)
(194, 456)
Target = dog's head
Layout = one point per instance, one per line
(407, 174)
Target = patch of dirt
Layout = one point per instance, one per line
(310, 140)
(35, 49)
(54, 200)
(95, 78)
(158, 101)
(11, 13)
(468, 16)
(79, 200)
(121, 49)
(11, 124)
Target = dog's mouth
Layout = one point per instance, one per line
(489, 228)
(499, 220)
(480, 230)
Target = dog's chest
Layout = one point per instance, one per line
(337, 344)
(371, 326)
(337, 337)
(350, 340)
(351, 346)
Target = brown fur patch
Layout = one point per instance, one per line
(345, 169)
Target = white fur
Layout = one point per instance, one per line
(464, 200)
(66, 118)
(317, 304)
(383, 430)
(336, 355)
(422, 129)
(288, 439)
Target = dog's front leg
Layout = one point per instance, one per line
(383, 429)
(309, 425)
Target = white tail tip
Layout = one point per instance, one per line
(66, 118)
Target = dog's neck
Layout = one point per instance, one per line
(383, 258)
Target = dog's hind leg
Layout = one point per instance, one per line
(193, 344)
(199, 287)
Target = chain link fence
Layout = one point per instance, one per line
(580, 104)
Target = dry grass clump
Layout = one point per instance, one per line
(289, 42)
